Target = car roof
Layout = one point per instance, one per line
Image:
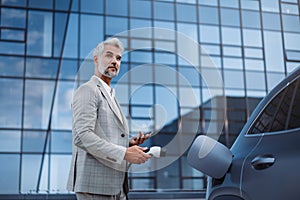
(292, 76)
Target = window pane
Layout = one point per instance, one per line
(289, 8)
(270, 6)
(291, 41)
(209, 34)
(273, 51)
(208, 15)
(163, 10)
(39, 37)
(59, 170)
(248, 36)
(255, 80)
(11, 66)
(112, 29)
(41, 68)
(10, 34)
(48, 4)
(92, 6)
(71, 43)
(231, 36)
(142, 95)
(271, 21)
(21, 3)
(38, 100)
(189, 30)
(10, 141)
(186, 13)
(11, 102)
(251, 19)
(60, 25)
(12, 48)
(9, 173)
(33, 141)
(31, 166)
(116, 7)
(68, 69)
(291, 23)
(140, 8)
(87, 38)
(62, 115)
(233, 79)
(230, 17)
(15, 18)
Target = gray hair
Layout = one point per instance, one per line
(110, 41)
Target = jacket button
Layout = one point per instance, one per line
(122, 135)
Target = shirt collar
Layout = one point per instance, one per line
(108, 89)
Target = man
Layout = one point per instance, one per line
(101, 146)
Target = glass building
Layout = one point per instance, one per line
(174, 49)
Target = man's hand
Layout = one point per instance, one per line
(136, 155)
(139, 139)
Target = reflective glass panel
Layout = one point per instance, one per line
(15, 18)
(87, 38)
(38, 100)
(231, 36)
(11, 66)
(31, 166)
(41, 68)
(139, 8)
(39, 34)
(208, 15)
(59, 171)
(10, 141)
(291, 23)
(116, 7)
(92, 6)
(273, 51)
(271, 21)
(249, 35)
(251, 19)
(111, 27)
(230, 17)
(9, 172)
(163, 10)
(34, 141)
(62, 115)
(186, 13)
(11, 102)
(71, 44)
(209, 34)
(255, 80)
(48, 4)
(233, 79)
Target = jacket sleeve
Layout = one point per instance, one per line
(84, 107)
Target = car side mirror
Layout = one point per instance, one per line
(209, 156)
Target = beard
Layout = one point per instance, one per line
(106, 72)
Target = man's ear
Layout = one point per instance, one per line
(95, 60)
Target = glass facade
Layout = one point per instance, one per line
(173, 48)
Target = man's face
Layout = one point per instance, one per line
(109, 62)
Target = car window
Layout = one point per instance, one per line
(282, 112)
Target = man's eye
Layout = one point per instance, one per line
(119, 58)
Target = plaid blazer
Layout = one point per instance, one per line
(100, 137)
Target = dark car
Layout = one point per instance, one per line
(264, 161)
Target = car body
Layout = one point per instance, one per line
(265, 163)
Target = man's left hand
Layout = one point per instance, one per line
(139, 139)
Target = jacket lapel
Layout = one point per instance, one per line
(109, 100)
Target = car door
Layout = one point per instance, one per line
(271, 169)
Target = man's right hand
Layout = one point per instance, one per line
(136, 155)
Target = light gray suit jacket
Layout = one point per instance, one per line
(100, 138)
